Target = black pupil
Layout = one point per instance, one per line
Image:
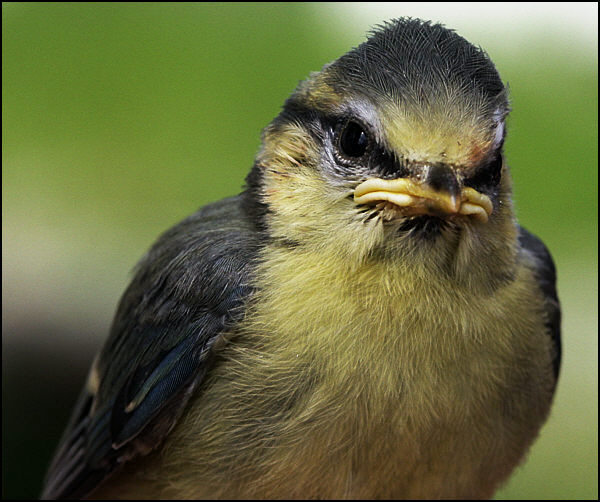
(487, 175)
(354, 140)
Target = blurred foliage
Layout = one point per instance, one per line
(120, 119)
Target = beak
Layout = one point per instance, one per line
(433, 189)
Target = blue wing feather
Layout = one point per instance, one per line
(189, 288)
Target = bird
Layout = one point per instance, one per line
(366, 319)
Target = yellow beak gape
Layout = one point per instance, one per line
(422, 199)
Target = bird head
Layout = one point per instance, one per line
(395, 147)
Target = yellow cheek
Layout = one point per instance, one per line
(306, 209)
(288, 159)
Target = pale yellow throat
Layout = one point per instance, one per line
(416, 199)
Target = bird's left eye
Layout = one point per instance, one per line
(353, 140)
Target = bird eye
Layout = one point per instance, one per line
(354, 141)
(487, 175)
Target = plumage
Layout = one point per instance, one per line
(366, 320)
(545, 273)
(188, 288)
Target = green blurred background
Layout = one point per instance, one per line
(121, 119)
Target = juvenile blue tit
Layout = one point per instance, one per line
(365, 320)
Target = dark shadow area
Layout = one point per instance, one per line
(39, 388)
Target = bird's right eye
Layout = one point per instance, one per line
(353, 140)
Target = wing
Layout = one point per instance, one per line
(188, 289)
(545, 272)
